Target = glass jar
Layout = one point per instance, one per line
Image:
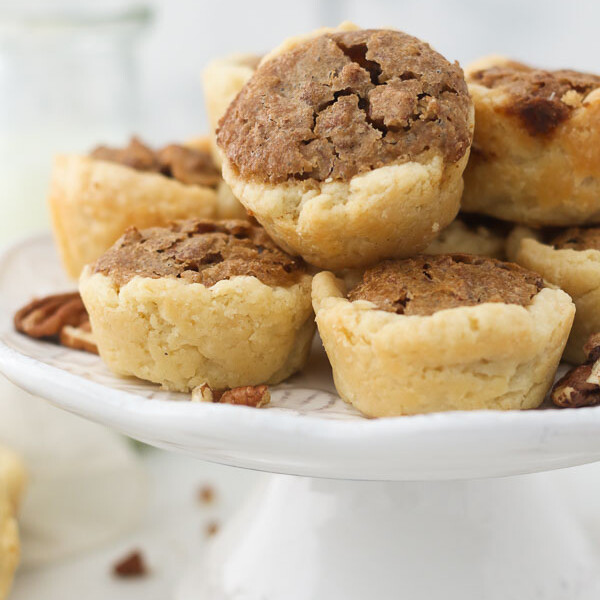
(68, 80)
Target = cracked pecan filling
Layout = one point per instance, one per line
(199, 251)
(422, 285)
(344, 103)
(542, 100)
(577, 238)
(187, 165)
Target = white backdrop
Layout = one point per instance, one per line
(186, 33)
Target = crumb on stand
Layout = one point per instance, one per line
(132, 565)
(206, 494)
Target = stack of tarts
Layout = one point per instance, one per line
(352, 152)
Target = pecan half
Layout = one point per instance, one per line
(78, 338)
(45, 317)
(573, 390)
(592, 348)
(581, 385)
(61, 318)
(249, 395)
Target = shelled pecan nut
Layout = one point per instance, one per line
(78, 338)
(581, 385)
(45, 317)
(249, 395)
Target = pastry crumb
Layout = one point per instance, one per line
(132, 565)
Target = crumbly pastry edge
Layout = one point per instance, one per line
(391, 211)
(93, 201)
(577, 272)
(163, 330)
(533, 180)
(463, 358)
(458, 238)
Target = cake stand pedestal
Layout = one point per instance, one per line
(490, 539)
(428, 507)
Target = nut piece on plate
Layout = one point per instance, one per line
(61, 317)
(132, 565)
(581, 385)
(78, 338)
(536, 153)
(569, 259)
(199, 301)
(348, 145)
(94, 198)
(45, 317)
(435, 333)
(255, 396)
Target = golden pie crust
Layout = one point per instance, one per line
(577, 272)
(464, 358)
(461, 238)
(535, 179)
(201, 322)
(93, 201)
(12, 483)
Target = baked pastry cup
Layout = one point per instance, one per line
(349, 145)
(94, 198)
(472, 234)
(536, 152)
(228, 206)
(475, 333)
(223, 79)
(570, 259)
(200, 302)
(12, 481)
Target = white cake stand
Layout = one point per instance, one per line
(417, 507)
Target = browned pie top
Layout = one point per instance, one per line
(424, 284)
(540, 99)
(345, 103)
(199, 251)
(578, 238)
(187, 165)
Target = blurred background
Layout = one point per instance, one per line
(73, 74)
(76, 74)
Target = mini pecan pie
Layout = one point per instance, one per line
(223, 78)
(536, 153)
(12, 483)
(200, 302)
(349, 145)
(446, 332)
(94, 198)
(570, 259)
